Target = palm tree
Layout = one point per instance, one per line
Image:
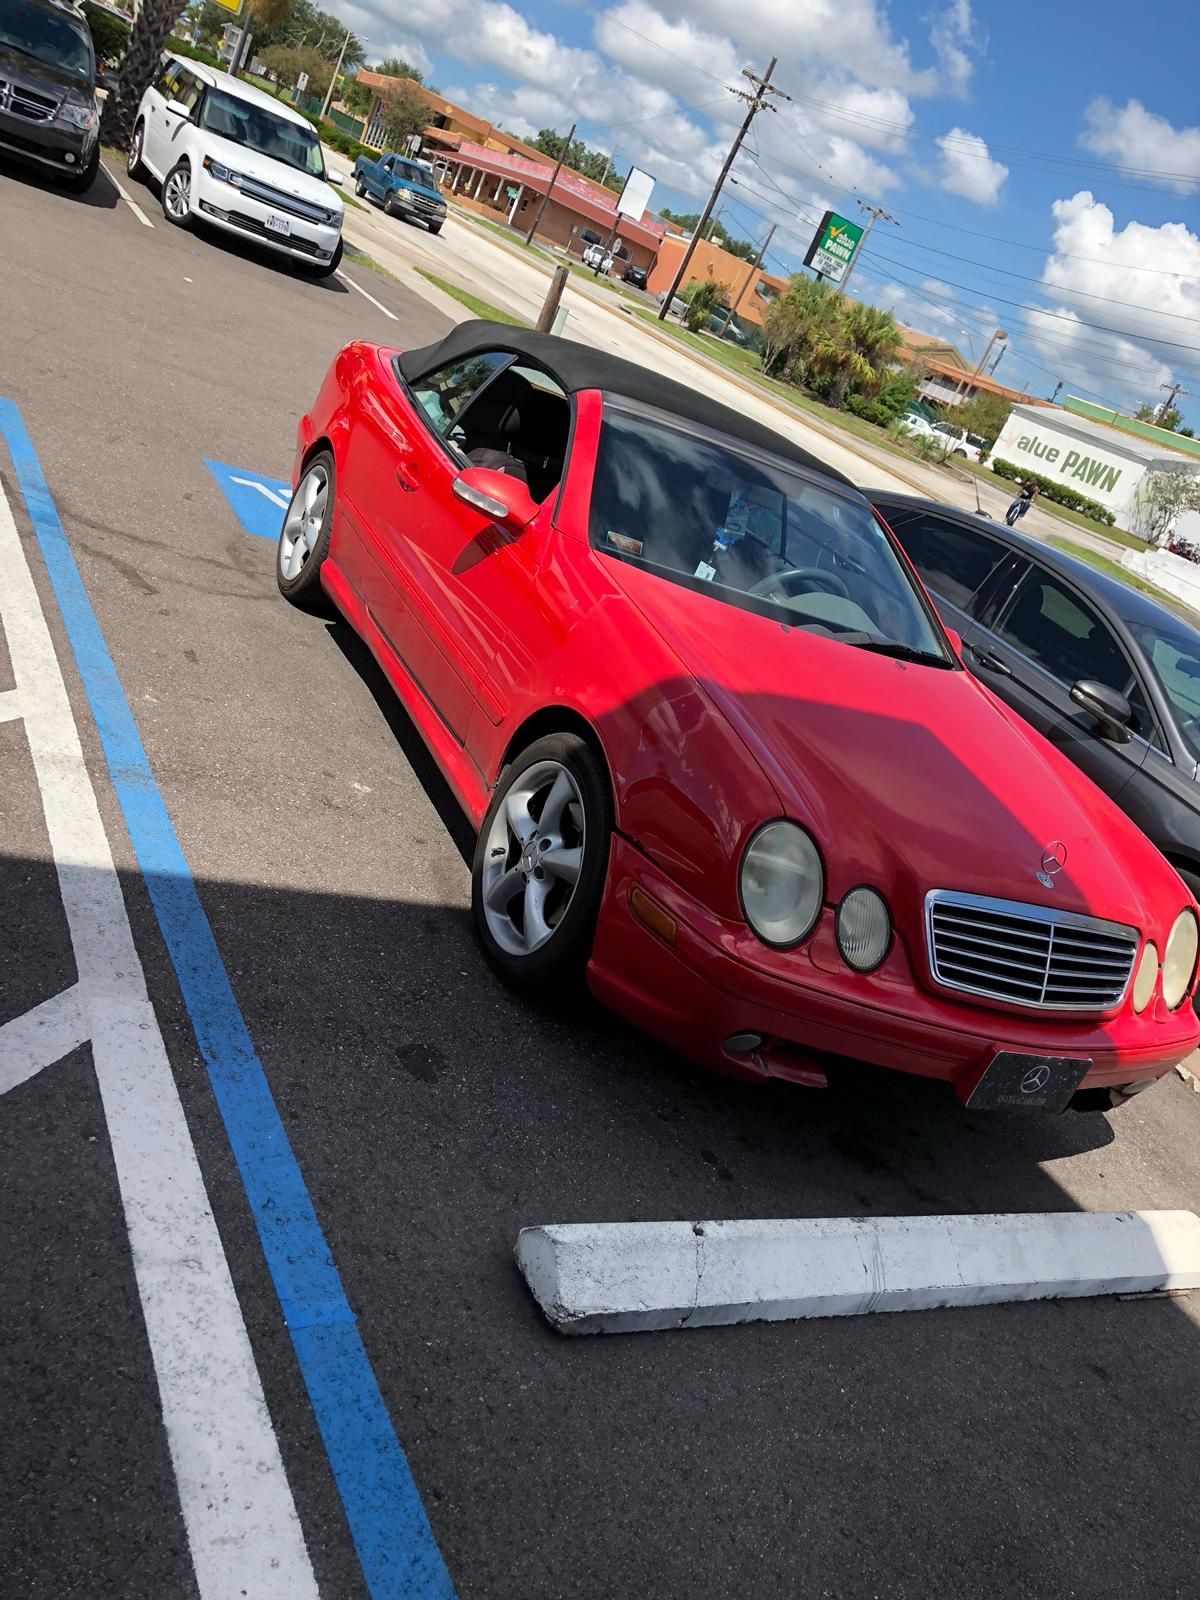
(796, 323)
(869, 344)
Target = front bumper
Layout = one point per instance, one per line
(413, 211)
(228, 207)
(54, 145)
(702, 993)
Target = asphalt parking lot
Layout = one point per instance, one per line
(1032, 1450)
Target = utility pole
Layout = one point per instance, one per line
(749, 279)
(876, 214)
(558, 165)
(608, 166)
(334, 79)
(998, 360)
(1176, 390)
(998, 337)
(756, 102)
(1057, 391)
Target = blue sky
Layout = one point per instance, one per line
(1051, 147)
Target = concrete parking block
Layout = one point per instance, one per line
(640, 1276)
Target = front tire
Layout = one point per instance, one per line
(540, 863)
(304, 536)
(435, 227)
(387, 202)
(360, 188)
(134, 165)
(177, 196)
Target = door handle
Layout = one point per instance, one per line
(406, 478)
(985, 658)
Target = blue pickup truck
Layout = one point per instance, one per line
(402, 187)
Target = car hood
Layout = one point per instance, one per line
(43, 78)
(910, 777)
(422, 188)
(276, 174)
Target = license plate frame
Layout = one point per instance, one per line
(280, 226)
(1016, 1080)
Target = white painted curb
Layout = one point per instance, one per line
(631, 1276)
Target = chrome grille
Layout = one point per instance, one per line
(1028, 955)
(292, 203)
(24, 103)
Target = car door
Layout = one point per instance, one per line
(955, 560)
(1037, 637)
(398, 469)
(380, 180)
(157, 121)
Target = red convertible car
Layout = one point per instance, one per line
(719, 749)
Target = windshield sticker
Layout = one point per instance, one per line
(623, 542)
(705, 572)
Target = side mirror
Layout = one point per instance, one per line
(504, 499)
(955, 639)
(336, 179)
(178, 109)
(1110, 709)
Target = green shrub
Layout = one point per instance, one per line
(109, 34)
(194, 52)
(1058, 492)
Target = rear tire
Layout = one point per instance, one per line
(540, 863)
(304, 536)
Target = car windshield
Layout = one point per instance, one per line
(261, 130)
(412, 173)
(54, 40)
(1175, 657)
(711, 514)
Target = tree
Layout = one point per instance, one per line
(286, 63)
(1170, 417)
(1164, 498)
(594, 164)
(716, 231)
(397, 67)
(984, 414)
(703, 297)
(154, 22)
(863, 344)
(796, 323)
(404, 114)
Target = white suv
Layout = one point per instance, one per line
(228, 154)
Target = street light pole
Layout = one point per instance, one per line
(334, 79)
(758, 101)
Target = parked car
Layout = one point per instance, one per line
(403, 187)
(634, 275)
(720, 752)
(960, 442)
(597, 256)
(1105, 672)
(229, 156)
(913, 423)
(49, 117)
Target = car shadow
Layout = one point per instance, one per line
(102, 196)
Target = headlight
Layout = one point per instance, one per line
(781, 883)
(864, 929)
(1179, 963)
(222, 174)
(77, 116)
(1147, 977)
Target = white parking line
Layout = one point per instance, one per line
(367, 296)
(127, 197)
(243, 1530)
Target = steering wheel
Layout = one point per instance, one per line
(796, 580)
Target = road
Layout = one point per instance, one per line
(428, 1114)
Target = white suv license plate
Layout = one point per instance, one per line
(279, 225)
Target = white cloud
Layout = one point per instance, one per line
(1131, 136)
(952, 34)
(968, 170)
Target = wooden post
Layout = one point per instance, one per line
(553, 295)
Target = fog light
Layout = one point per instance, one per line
(864, 929)
(69, 159)
(1147, 977)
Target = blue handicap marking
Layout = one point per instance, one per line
(258, 501)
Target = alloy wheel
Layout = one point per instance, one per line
(178, 194)
(534, 857)
(303, 523)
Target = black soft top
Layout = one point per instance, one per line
(577, 366)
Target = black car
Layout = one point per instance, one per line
(634, 275)
(1106, 673)
(48, 111)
